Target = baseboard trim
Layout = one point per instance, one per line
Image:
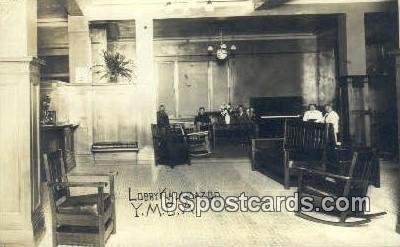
(17, 238)
(145, 156)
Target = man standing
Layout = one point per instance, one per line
(313, 114)
(331, 117)
(162, 117)
(162, 126)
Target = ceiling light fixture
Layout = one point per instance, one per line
(209, 7)
(169, 8)
(222, 52)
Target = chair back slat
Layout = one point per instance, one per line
(306, 136)
(361, 171)
(55, 172)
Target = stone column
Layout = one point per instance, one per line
(353, 86)
(146, 84)
(80, 48)
(21, 217)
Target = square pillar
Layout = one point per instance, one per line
(146, 83)
(355, 118)
(353, 83)
(21, 216)
(80, 59)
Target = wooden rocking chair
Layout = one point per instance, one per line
(199, 144)
(351, 183)
(87, 219)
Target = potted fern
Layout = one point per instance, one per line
(115, 66)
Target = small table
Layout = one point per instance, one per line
(59, 136)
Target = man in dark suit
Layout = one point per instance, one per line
(202, 121)
(162, 117)
(241, 117)
(163, 125)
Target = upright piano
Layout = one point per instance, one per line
(272, 112)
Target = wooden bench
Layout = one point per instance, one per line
(303, 142)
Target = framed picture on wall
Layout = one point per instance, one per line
(51, 117)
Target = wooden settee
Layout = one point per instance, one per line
(306, 144)
(303, 143)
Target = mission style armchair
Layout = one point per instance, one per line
(87, 219)
(351, 182)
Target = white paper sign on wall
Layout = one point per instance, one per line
(82, 74)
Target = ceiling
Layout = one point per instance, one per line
(243, 25)
(210, 27)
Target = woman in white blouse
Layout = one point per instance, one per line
(313, 114)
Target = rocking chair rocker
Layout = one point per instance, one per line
(352, 183)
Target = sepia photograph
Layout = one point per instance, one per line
(199, 123)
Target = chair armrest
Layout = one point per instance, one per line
(322, 173)
(110, 175)
(79, 184)
(99, 185)
(198, 133)
(93, 174)
(261, 139)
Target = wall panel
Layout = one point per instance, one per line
(166, 88)
(267, 75)
(193, 87)
(219, 85)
